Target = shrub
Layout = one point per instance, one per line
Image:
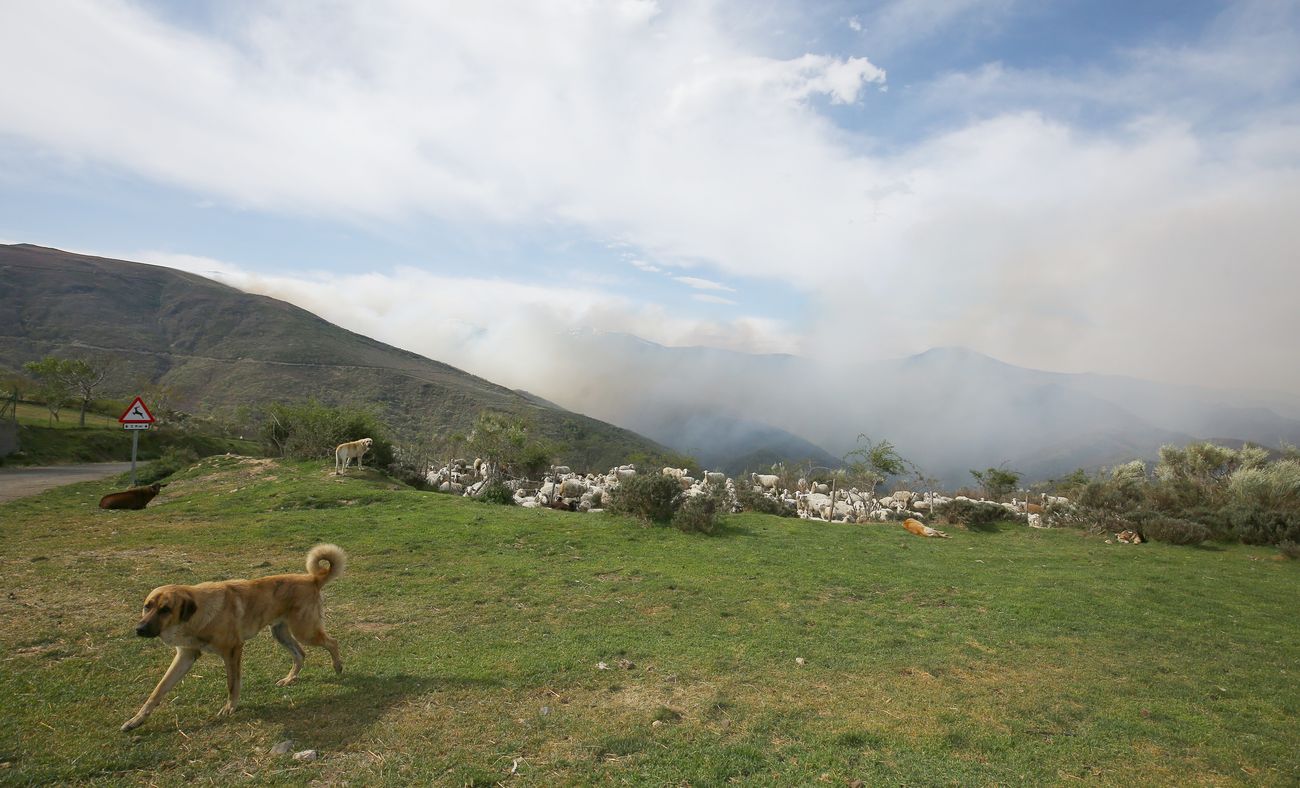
(1289, 549)
(496, 492)
(1257, 525)
(1171, 530)
(698, 514)
(979, 515)
(649, 496)
(1177, 496)
(753, 501)
(1275, 487)
(310, 430)
(173, 459)
(1111, 504)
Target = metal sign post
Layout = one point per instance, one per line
(136, 417)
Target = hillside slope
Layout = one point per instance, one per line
(220, 348)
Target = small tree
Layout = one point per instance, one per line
(52, 384)
(873, 463)
(62, 379)
(162, 400)
(84, 379)
(996, 482)
(499, 439)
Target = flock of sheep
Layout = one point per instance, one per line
(564, 489)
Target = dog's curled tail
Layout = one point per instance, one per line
(325, 562)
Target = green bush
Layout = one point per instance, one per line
(751, 500)
(311, 430)
(1177, 496)
(496, 492)
(1171, 530)
(650, 496)
(173, 459)
(1275, 487)
(698, 514)
(1257, 525)
(1289, 549)
(979, 515)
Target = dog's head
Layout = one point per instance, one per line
(368, 441)
(165, 606)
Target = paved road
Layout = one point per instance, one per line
(21, 482)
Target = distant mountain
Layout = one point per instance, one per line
(720, 442)
(221, 348)
(948, 409)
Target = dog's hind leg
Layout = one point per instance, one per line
(313, 634)
(180, 666)
(282, 634)
(234, 666)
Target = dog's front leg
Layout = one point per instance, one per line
(234, 663)
(180, 666)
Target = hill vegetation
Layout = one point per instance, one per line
(214, 351)
(103, 440)
(487, 644)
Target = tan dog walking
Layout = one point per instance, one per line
(219, 617)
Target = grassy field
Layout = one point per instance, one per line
(69, 417)
(472, 634)
(104, 440)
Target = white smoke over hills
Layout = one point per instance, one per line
(948, 409)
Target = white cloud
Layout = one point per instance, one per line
(1016, 229)
(625, 122)
(703, 284)
(510, 332)
(712, 299)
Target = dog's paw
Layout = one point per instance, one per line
(286, 681)
(132, 724)
(226, 710)
(338, 667)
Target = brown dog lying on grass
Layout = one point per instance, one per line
(219, 617)
(134, 498)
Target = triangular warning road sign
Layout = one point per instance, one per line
(136, 413)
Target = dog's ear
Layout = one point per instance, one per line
(187, 608)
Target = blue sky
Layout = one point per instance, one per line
(1071, 185)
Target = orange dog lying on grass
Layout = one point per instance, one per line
(921, 529)
(219, 617)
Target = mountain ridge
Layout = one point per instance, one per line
(221, 348)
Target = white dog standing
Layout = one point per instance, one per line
(345, 453)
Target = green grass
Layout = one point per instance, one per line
(471, 636)
(69, 417)
(104, 440)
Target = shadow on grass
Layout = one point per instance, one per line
(983, 529)
(331, 721)
(729, 529)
